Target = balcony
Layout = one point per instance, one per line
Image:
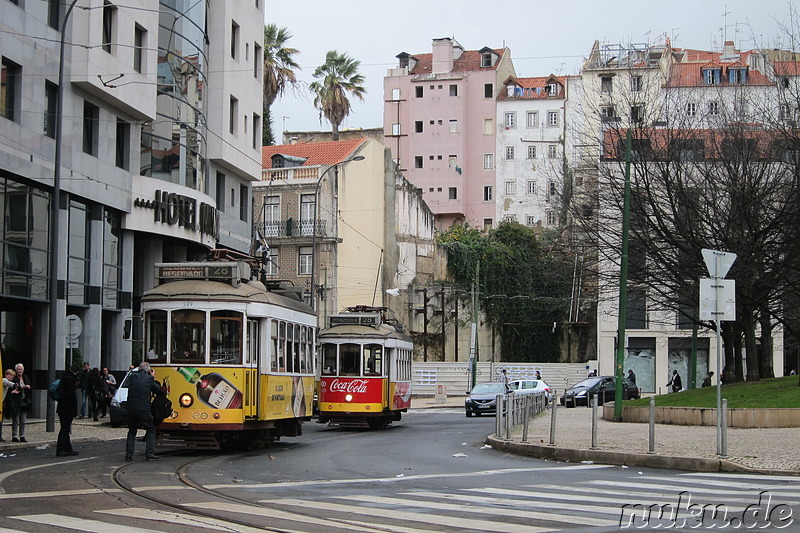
(294, 228)
(291, 174)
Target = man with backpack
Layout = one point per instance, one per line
(67, 410)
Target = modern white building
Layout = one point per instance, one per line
(161, 139)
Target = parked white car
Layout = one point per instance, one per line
(529, 386)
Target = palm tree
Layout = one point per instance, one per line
(339, 76)
(279, 65)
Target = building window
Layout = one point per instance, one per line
(486, 59)
(712, 76)
(552, 89)
(533, 119)
(233, 114)
(50, 103)
(551, 189)
(511, 188)
(487, 224)
(418, 91)
(138, 48)
(220, 191)
(272, 215)
(233, 197)
(305, 256)
(636, 83)
(737, 76)
(257, 61)
(607, 113)
(243, 203)
(418, 126)
(530, 187)
(488, 90)
(453, 126)
(509, 152)
(396, 129)
(713, 108)
(453, 90)
(606, 84)
(510, 120)
(417, 161)
(54, 14)
(552, 118)
(452, 162)
(109, 22)
(530, 220)
(234, 40)
(78, 254)
(10, 80)
(307, 213)
(256, 132)
(122, 144)
(112, 259)
(488, 193)
(271, 262)
(91, 120)
(488, 126)
(488, 161)
(531, 151)
(637, 114)
(452, 193)
(551, 217)
(395, 94)
(552, 151)
(691, 109)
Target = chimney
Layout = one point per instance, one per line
(293, 140)
(442, 56)
(728, 49)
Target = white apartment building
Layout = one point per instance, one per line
(161, 138)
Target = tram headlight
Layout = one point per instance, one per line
(348, 398)
(186, 400)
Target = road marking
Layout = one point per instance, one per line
(267, 512)
(534, 515)
(678, 488)
(570, 506)
(59, 493)
(10, 473)
(719, 483)
(450, 521)
(409, 478)
(768, 477)
(661, 496)
(172, 517)
(81, 524)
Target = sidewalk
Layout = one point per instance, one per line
(83, 430)
(765, 450)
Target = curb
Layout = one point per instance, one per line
(694, 464)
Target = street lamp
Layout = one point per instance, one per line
(314, 226)
(55, 201)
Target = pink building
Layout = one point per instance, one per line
(439, 122)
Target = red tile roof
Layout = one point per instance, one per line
(690, 72)
(470, 60)
(787, 68)
(324, 153)
(529, 88)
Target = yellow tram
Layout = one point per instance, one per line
(366, 369)
(236, 358)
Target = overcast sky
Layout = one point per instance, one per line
(544, 36)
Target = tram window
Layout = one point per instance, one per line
(329, 359)
(372, 360)
(281, 346)
(349, 359)
(188, 336)
(226, 338)
(253, 342)
(156, 336)
(274, 352)
(296, 348)
(304, 359)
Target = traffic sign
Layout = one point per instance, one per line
(74, 327)
(713, 258)
(718, 290)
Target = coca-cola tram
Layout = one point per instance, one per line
(365, 376)
(236, 357)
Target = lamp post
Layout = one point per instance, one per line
(314, 226)
(55, 207)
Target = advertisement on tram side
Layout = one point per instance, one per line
(401, 395)
(350, 391)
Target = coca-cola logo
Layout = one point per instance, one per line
(354, 385)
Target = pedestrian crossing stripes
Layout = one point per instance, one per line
(578, 506)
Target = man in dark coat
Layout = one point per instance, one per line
(141, 384)
(67, 410)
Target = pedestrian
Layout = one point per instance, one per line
(20, 403)
(707, 380)
(67, 409)
(110, 388)
(538, 375)
(141, 384)
(96, 395)
(505, 380)
(8, 384)
(675, 383)
(593, 373)
(631, 376)
(84, 381)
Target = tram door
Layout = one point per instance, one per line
(251, 368)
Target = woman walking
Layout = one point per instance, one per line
(20, 403)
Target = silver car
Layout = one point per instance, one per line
(529, 386)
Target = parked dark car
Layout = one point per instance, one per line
(603, 386)
(483, 398)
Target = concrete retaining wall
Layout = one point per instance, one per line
(706, 416)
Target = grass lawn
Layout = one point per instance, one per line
(777, 392)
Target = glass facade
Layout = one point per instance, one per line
(78, 247)
(24, 237)
(173, 148)
(112, 259)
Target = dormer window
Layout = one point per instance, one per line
(552, 89)
(287, 161)
(712, 76)
(737, 76)
(486, 59)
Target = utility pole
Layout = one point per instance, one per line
(473, 348)
(455, 331)
(444, 324)
(623, 284)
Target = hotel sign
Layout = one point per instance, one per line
(176, 209)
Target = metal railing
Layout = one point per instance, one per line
(292, 227)
(514, 410)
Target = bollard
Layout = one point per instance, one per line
(594, 422)
(652, 446)
(724, 438)
(511, 403)
(553, 421)
(498, 416)
(526, 415)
